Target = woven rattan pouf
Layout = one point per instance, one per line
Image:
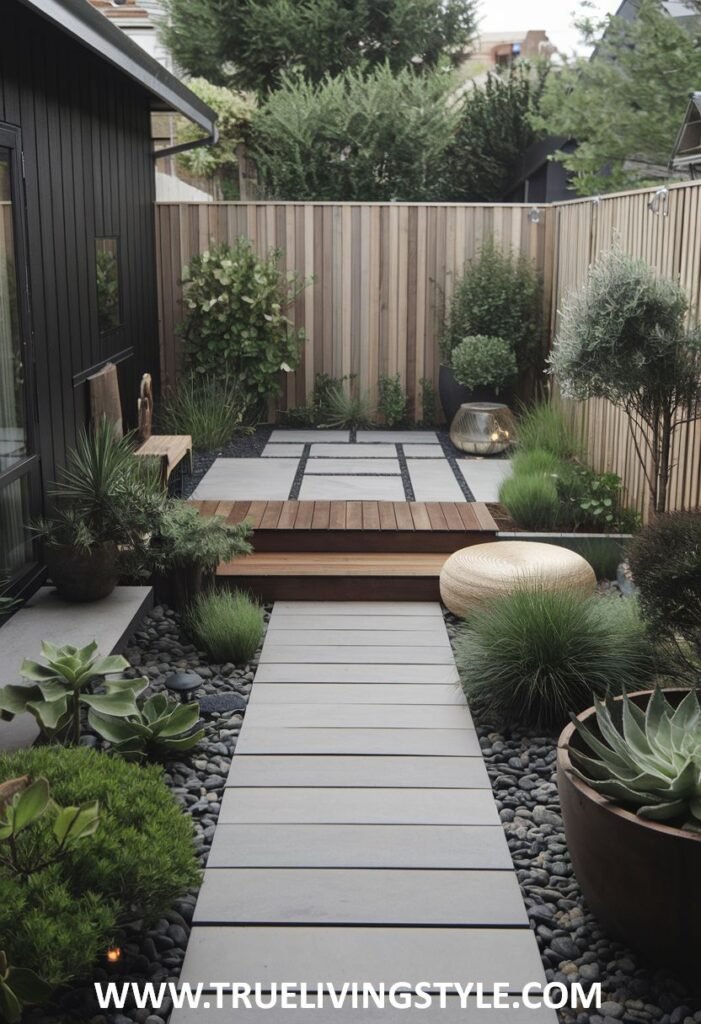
(485, 571)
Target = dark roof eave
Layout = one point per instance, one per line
(90, 28)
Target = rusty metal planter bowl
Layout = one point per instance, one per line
(640, 878)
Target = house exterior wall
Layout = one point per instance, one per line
(86, 140)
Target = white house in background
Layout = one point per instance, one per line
(140, 19)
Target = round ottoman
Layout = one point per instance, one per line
(485, 571)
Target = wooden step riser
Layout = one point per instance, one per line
(335, 588)
(419, 541)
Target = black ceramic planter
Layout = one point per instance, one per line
(453, 395)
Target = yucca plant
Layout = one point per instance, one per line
(62, 686)
(348, 411)
(159, 728)
(649, 760)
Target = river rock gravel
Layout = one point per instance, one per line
(573, 946)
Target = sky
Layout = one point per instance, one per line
(555, 16)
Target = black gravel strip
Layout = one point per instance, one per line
(250, 447)
(406, 479)
(573, 946)
(156, 954)
(450, 453)
(299, 475)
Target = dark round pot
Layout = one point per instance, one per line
(82, 575)
(453, 395)
(179, 586)
(641, 878)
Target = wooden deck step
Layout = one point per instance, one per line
(359, 526)
(336, 576)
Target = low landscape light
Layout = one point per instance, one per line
(183, 685)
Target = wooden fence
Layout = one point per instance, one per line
(381, 276)
(668, 237)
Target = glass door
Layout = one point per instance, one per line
(18, 465)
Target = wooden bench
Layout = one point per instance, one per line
(170, 449)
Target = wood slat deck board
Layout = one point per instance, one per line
(356, 515)
(335, 563)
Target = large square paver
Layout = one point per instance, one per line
(247, 480)
(397, 437)
(423, 451)
(360, 896)
(385, 467)
(484, 477)
(354, 451)
(284, 451)
(434, 480)
(352, 488)
(309, 436)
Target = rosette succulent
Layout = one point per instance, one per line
(649, 760)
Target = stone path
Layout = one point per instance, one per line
(358, 839)
(372, 465)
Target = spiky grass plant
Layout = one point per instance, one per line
(211, 410)
(532, 501)
(539, 461)
(532, 657)
(649, 760)
(228, 625)
(545, 426)
(349, 412)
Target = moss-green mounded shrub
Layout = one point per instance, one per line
(532, 501)
(545, 426)
(137, 863)
(531, 657)
(481, 361)
(228, 625)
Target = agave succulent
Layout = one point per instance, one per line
(159, 728)
(650, 760)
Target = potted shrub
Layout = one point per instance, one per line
(187, 549)
(106, 504)
(628, 775)
(481, 370)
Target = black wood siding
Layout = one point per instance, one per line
(86, 138)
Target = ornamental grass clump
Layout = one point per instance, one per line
(649, 760)
(544, 426)
(531, 657)
(227, 625)
(532, 501)
(210, 409)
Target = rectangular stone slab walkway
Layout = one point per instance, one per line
(359, 840)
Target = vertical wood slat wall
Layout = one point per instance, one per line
(670, 242)
(382, 274)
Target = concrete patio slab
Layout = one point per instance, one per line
(423, 451)
(285, 451)
(277, 635)
(397, 437)
(354, 693)
(288, 654)
(359, 806)
(353, 451)
(309, 436)
(360, 896)
(295, 673)
(430, 609)
(247, 480)
(352, 488)
(351, 770)
(386, 467)
(333, 623)
(359, 716)
(484, 477)
(361, 846)
(448, 1011)
(257, 954)
(434, 480)
(407, 742)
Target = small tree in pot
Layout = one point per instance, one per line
(623, 337)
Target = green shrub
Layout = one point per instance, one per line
(481, 361)
(429, 403)
(532, 657)
(539, 461)
(187, 539)
(392, 401)
(665, 559)
(211, 409)
(140, 859)
(316, 410)
(532, 501)
(350, 412)
(592, 501)
(234, 321)
(229, 626)
(499, 295)
(545, 426)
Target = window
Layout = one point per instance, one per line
(107, 268)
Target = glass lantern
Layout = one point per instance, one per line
(483, 428)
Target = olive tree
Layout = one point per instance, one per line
(623, 337)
